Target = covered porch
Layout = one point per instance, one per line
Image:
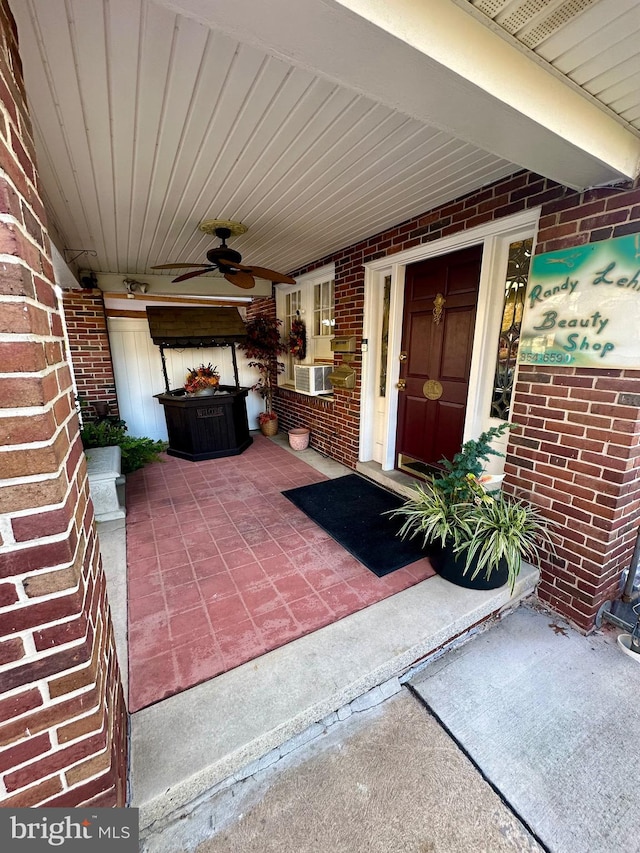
(222, 568)
(233, 703)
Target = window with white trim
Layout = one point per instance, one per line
(312, 300)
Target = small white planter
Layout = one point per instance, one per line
(624, 641)
(103, 470)
(299, 438)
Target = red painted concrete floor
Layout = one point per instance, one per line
(222, 568)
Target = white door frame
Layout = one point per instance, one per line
(495, 238)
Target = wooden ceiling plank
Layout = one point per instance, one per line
(91, 57)
(287, 120)
(155, 58)
(201, 181)
(604, 70)
(390, 142)
(193, 201)
(315, 127)
(253, 126)
(186, 62)
(319, 107)
(606, 85)
(55, 99)
(593, 21)
(408, 194)
(123, 34)
(216, 58)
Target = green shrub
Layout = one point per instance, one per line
(102, 433)
(136, 452)
(455, 483)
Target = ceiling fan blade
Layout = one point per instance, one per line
(270, 275)
(187, 275)
(175, 266)
(240, 278)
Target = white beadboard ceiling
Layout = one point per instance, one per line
(152, 115)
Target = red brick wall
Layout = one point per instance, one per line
(316, 413)
(577, 454)
(90, 351)
(62, 714)
(336, 425)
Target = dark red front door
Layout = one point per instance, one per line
(437, 338)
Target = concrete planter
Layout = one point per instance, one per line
(103, 470)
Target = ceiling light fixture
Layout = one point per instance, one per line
(132, 287)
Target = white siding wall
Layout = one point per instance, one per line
(138, 374)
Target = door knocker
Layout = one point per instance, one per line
(438, 305)
(432, 389)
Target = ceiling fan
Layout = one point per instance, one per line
(226, 260)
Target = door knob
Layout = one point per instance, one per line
(403, 356)
(401, 384)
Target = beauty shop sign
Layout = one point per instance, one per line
(583, 306)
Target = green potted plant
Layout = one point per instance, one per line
(135, 452)
(262, 346)
(477, 539)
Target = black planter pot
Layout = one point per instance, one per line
(451, 568)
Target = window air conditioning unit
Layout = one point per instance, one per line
(312, 378)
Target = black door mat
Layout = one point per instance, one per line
(351, 509)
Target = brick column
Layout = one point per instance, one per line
(86, 322)
(62, 713)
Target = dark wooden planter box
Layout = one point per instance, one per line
(206, 427)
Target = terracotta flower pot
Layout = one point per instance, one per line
(299, 438)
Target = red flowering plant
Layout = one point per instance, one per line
(262, 347)
(201, 378)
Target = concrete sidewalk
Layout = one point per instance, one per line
(522, 739)
(552, 719)
(388, 781)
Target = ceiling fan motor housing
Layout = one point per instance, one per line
(223, 254)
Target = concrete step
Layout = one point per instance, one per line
(187, 745)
